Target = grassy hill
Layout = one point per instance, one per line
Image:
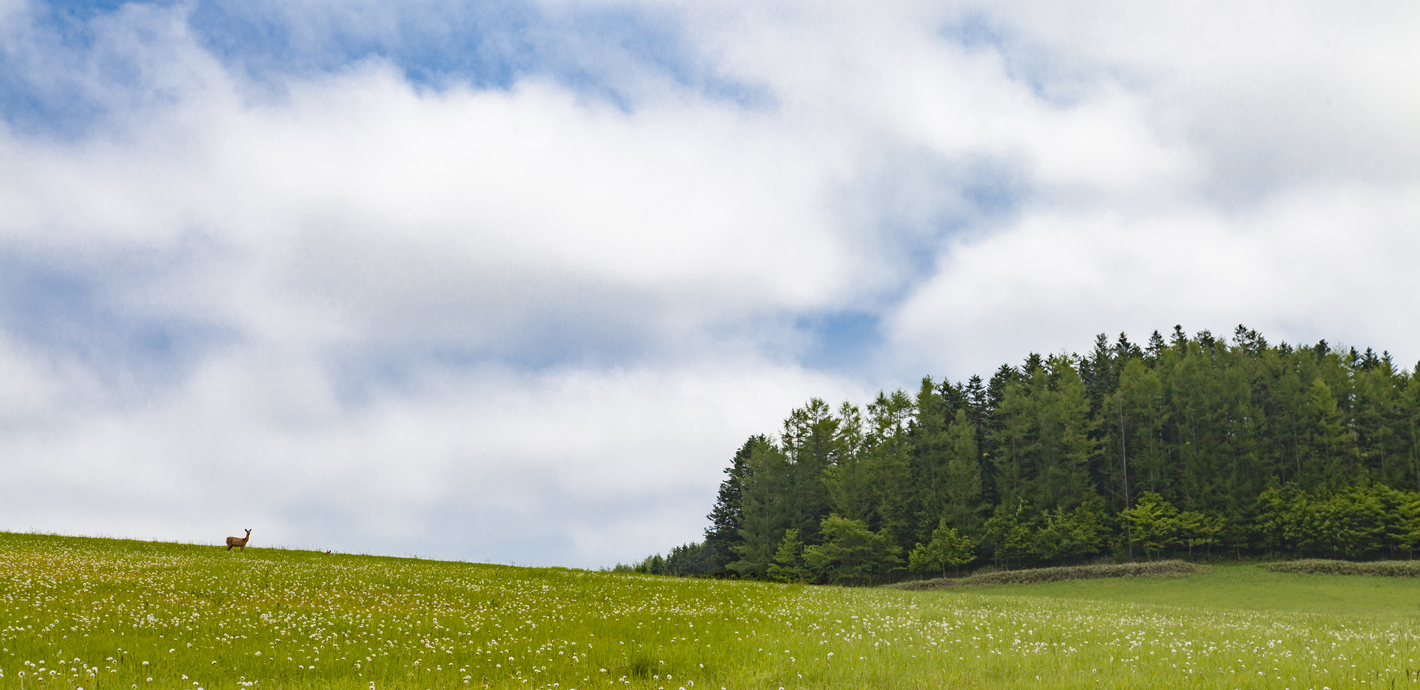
(95, 613)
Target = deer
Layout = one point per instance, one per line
(239, 542)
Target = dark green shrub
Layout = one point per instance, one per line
(1327, 567)
(1171, 568)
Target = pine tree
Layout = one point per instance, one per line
(1155, 348)
(1194, 443)
(1133, 420)
(1409, 424)
(946, 548)
(763, 518)
(888, 448)
(1044, 445)
(1011, 535)
(788, 565)
(727, 517)
(1154, 523)
(930, 456)
(1099, 373)
(847, 478)
(850, 553)
(962, 506)
(810, 445)
(1330, 443)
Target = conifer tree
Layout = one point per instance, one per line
(947, 548)
(727, 516)
(763, 516)
(930, 457)
(962, 505)
(887, 452)
(1194, 443)
(850, 553)
(810, 445)
(1330, 443)
(788, 565)
(847, 478)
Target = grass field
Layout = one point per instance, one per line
(1249, 588)
(93, 613)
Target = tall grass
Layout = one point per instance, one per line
(119, 614)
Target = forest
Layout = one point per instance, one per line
(1190, 446)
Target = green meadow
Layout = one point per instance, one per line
(97, 613)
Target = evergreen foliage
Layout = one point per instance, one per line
(850, 552)
(1185, 446)
(947, 548)
(688, 560)
(788, 565)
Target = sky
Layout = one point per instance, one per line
(511, 281)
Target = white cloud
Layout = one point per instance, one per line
(425, 213)
(1310, 264)
(1270, 93)
(563, 467)
(532, 323)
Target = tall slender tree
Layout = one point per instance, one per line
(727, 516)
(962, 506)
(763, 502)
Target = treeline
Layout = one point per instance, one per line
(1187, 445)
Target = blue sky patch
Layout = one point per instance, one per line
(841, 341)
(76, 64)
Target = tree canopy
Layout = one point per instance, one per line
(1185, 445)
